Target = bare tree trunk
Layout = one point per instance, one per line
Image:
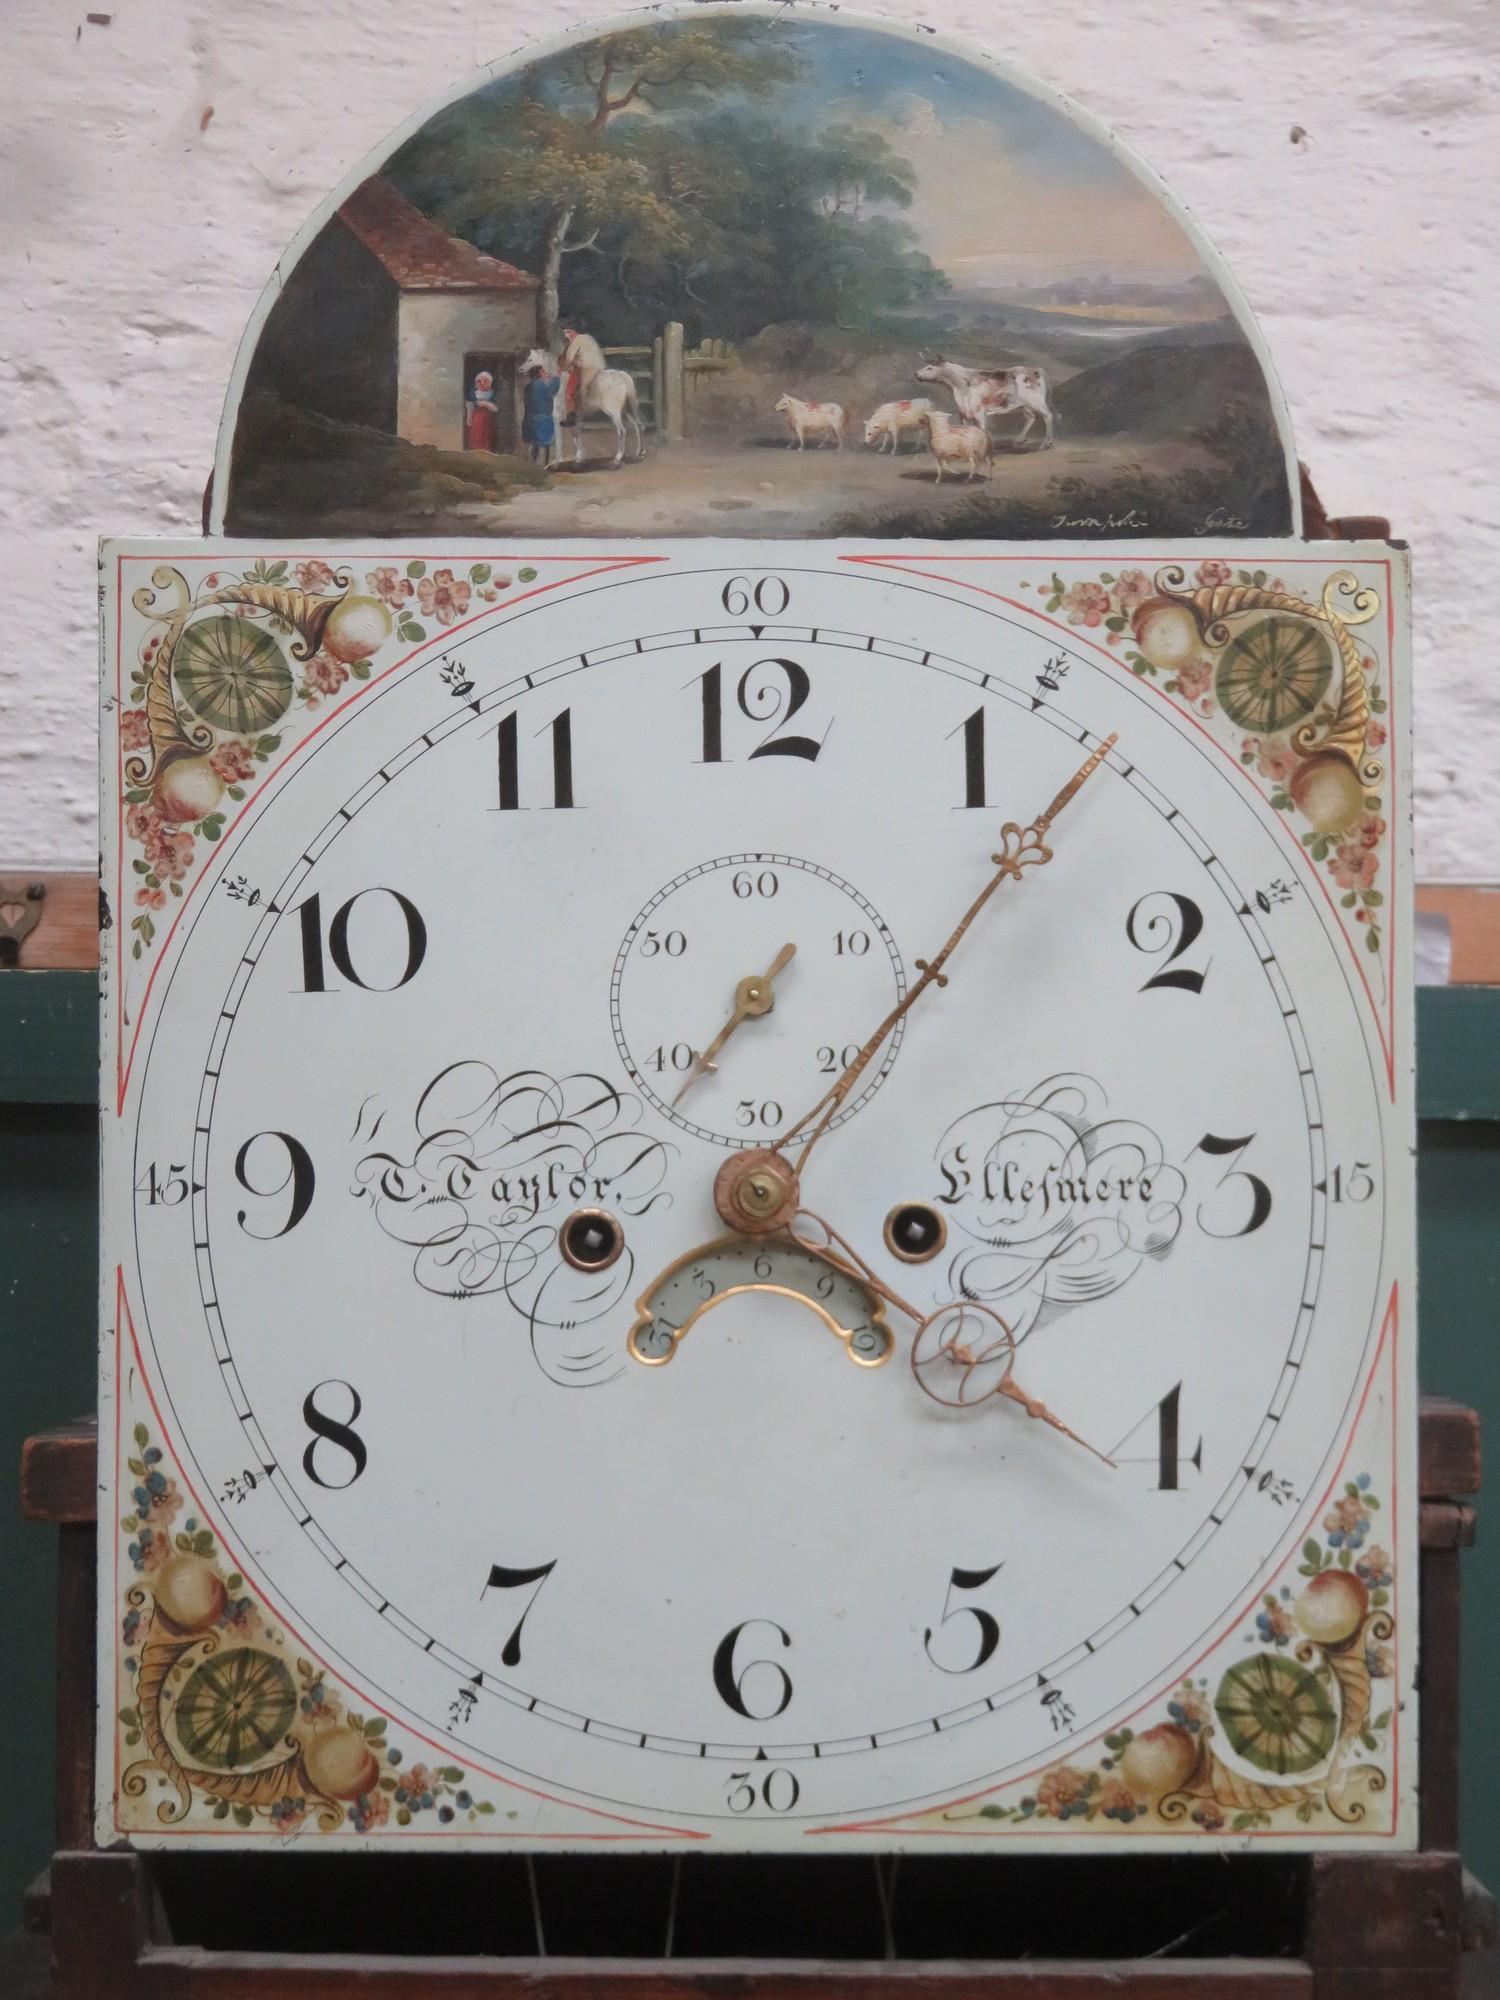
(548, 307)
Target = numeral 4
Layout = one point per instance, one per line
(1165, 1422)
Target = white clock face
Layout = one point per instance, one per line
(485, 927)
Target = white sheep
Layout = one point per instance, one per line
(813, 420)
(892, 419)
(952, 444)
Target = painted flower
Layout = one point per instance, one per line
(1274, 757)
(1370, 831)
(1207, 1815)
(1274, 1623)
(1375, 734)
(1353, 866)
(150, 1550)
(141, 821)
(323, 675)
(313, 575)
(1189, 1706)
(1346, 1523)
(288, 1814)
(238, 1618)
(315, 1704)
(1062, 1792)
(417, 1787)
(389, 586)
(1117, 1801)
(135, 730)
(443, 596)
(234, 761)
(1132, 588)
(1194, 680)
(164, 1507)
(1085, 604)
(1380, 1662)
(370, 1809)
(170, 854)
(131, 1628)
(1375, 1567)
(1209, 575)
(151, 899)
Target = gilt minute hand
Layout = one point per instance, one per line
(1020, 847)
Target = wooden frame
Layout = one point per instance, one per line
(1379, 1927)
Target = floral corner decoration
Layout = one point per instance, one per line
(1302, 698)
(1287, 1732)
(224, 672)
(235, 1725)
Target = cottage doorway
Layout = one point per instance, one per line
(507, 395)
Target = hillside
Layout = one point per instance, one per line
(1168, 391)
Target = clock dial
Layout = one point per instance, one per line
(478, 998)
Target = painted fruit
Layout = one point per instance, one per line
(188, 788)
(357, 628)
(190, 1592)
(1167, 633)
(341, 1764)
(1273, 674)
(1276, 1714)
(233, 674)
(1333, 1607)
(235, 1708)
(1326, 790)
(1159, 1760)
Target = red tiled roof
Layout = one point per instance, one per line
(419, 254)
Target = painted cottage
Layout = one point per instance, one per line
(387, 319)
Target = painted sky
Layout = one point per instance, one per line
(1010, 191)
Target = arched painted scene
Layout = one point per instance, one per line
(740, 269)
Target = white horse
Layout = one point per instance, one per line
(609, 390)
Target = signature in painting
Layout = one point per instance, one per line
(1219, 521)
(495, 1164)
(1132, 521)
(1060, 1204)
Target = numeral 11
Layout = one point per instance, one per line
(509, 761)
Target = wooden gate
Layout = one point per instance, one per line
(666, 375)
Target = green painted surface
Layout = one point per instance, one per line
(48, 1252)
(48, 1258)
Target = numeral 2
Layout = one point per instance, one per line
(1154, 929)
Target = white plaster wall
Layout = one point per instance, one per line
(1343, 155)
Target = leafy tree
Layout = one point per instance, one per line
(556, 165)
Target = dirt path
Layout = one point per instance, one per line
(701, 487)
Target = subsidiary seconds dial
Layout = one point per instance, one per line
(683, 967)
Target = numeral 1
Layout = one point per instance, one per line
(973, 732)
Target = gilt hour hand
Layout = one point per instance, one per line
(754, 996)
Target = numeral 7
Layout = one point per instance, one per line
(502, 1578)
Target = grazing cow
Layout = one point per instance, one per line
(815, 420)
(954, 444)
(892, 419)
(980, 394)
